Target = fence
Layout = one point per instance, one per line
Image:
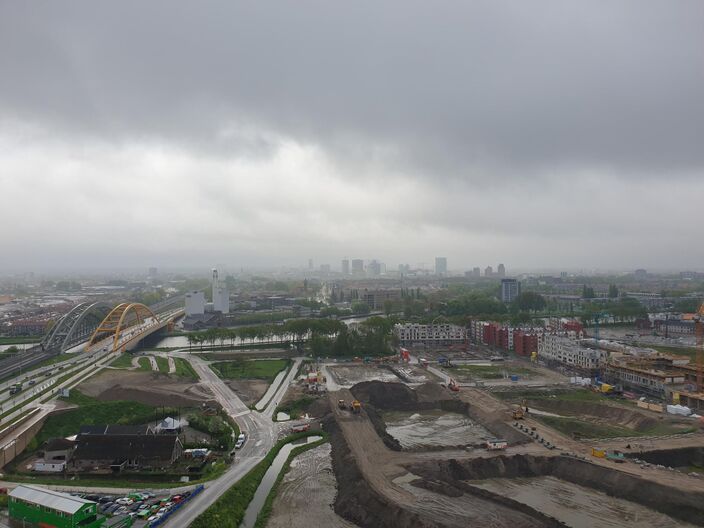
(176, 507)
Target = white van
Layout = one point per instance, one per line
(240, 441)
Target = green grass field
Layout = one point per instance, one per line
(265, 369)
(123, 361)
(690, 352)
(585, 429)
(295, 408)
(566, 395)
(144, 364)
(184, 369)
(94, 412)
(163, 364)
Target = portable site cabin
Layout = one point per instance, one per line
(496, 443)
(32, 504)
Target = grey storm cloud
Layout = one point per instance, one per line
(443, 84)
(569, 106)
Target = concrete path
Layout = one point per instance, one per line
(154, 364)
(172, 365)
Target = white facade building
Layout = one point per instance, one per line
(439, 333)
(221, 297)
(195, 303)
(571, 352)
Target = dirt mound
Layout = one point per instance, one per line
(145, 387)
(597, 412)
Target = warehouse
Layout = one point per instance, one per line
(31, 504)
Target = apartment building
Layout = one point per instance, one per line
(439, 334)
(568, 351)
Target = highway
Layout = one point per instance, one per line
(261, 432)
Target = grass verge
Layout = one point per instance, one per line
(163, 364)
(265, 369)
(492, 371)
(265, 513)
(583, 429)
(184, 369)
(228, 511)
(124, 360)
(295, 408)
(144, 364)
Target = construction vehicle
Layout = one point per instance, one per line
(423, 362)
(341, 404)
(518, 414)
(452, 385)
(356, 406)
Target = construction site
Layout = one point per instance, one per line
(432, 442)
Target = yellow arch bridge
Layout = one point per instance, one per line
(120, 322)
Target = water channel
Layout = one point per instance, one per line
(250, 516)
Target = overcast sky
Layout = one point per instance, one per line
(538, 134)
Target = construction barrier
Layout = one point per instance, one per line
(176, 507)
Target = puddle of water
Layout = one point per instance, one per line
(434, 428)
(261, 404)
(250, 516)
(282, 417)
(578, 506)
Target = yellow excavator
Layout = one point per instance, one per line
(356, 406)
(519, 414)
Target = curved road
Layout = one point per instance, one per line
(261, 432)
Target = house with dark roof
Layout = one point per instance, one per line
(143, 429)
(121, 451)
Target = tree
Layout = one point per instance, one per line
(360, 308)
(530, 301)
(687, 305)
(613, 291)
(587, 292)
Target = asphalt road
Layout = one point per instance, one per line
(259, 428)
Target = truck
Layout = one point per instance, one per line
(14, 389)
(341, 404)
(423, 362)
(356, 406)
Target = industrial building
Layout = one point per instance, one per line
(221, 297)
(195, 303)
(117, 451)
(32, 505)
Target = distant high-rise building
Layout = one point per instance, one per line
(195, 303)
(374, 268)
(441, 266)
(501, 271)
(357, 266)
(563, 275)
(345, 266)
(221, 297)
(153, 272)
(476, 272)
(510, 289)
(488, 271)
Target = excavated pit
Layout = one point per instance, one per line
(689, 458)
(362, 503)
(379, 398)
(454, 475)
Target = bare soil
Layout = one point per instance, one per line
(307, 492)
(250, 391)
(149, 388)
